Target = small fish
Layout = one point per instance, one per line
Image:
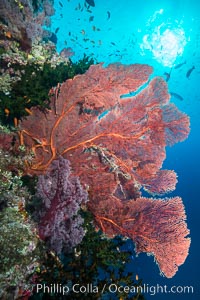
(8, 34)
(108, 13)
(78, 7)
(112, 43)
(15, 122)
(60, 4)
(177, 96)
(90, 2)
(189, 72)
(180, 65)
(94, 28)
(28, 111)
(7, 112)
(167, 76)
(83, 32)
(136, 277)
(56, 31)
(91, 18)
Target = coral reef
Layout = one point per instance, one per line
(30, 64)
(26, 78)
(20, 252)
(24, 20)
(116, 145)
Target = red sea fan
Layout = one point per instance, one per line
(157, 226)
(115, 144)
(163, 182)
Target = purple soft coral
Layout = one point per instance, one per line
(62, 195)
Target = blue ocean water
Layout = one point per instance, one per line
(165, 35)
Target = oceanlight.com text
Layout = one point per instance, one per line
(113, 288)
(151, 289)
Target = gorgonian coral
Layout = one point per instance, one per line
(113, 125)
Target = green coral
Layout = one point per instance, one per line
(26, 78)
(33, 87)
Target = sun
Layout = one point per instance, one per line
(165, 41)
